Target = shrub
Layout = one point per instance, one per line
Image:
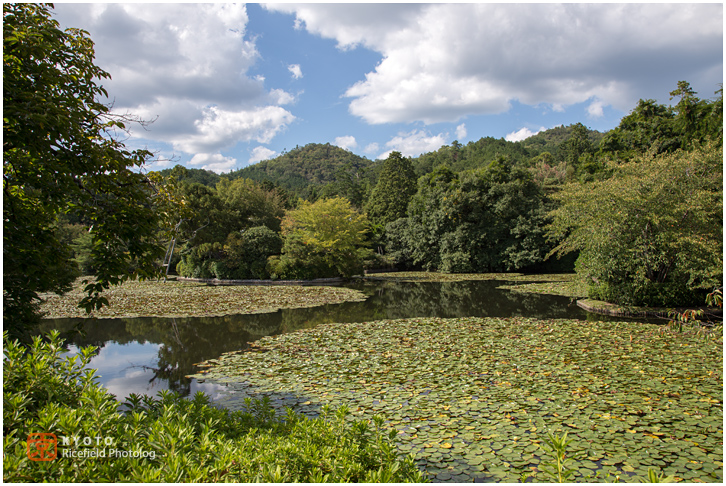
(247, 253)
(174, 439)
(322, 239)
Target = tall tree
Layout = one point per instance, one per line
(652, 234)
(60, 156)
(395, 188)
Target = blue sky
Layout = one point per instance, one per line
(232, 84)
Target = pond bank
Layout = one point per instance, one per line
(606, 308)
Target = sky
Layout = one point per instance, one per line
(229, 85)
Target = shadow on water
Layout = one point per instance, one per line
(147, 355)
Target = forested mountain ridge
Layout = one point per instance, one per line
(307, 170)
(313, 164)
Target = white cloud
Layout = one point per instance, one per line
(295, 70)
(214, 162)
(347, 142)
(461, 132)
(371, 148)
(261, 153)
(281, 97)
(442, 62)
(415, 143)
(186, 64)
(595, 109)
(219, 128)
(521, 134)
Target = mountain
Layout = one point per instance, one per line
(312, 165)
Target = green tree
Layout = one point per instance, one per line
(326, 238)
(249, 204)
(648, 127)
(489, 219)
(246, 253)
(60, 156)
(652, 233)
(577, 145)
(396, 185)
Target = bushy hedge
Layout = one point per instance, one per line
(174, 439)
(242, 256)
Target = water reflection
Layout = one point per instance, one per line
(147, 355)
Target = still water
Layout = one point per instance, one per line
(147, 355)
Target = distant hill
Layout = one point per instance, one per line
(482, 152)
(549, 140)
(307, 170)
(312, 165)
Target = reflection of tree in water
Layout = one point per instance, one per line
(186, 341)
(399, 300)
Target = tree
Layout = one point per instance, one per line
(322, 239)
(489, 219)
(651, 234)
(250, 204)
(60, 156)
(247, 252)
(396, 185)
(577, 145)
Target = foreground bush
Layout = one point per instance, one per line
(171, 439)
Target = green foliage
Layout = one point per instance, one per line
(656, 128)
(202, 261)
(249, 204)
(557, 469)
(83, 253)
(560, 468)
(246, 253)
(322, 239)
(306, 168)
(175, 440)
(650, 235)
(396, 185)
(649, 127)
(190, 176)
(61, 156)
(486, 220)
(218, 221)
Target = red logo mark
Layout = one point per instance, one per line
(42, 446)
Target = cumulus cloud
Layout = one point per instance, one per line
(461, 132)
(521, 134)
(595, 109)
(372, 148)
(442, 62)
(261, 153)
(295, 70)
(347, 142)
(415, 143)
(215, 162)
(220, 128)
(186, 66)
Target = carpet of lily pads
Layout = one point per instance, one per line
(567, 288)
(190, 299)
(473, 398)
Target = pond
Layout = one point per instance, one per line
(147, 355)
(470, 382)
